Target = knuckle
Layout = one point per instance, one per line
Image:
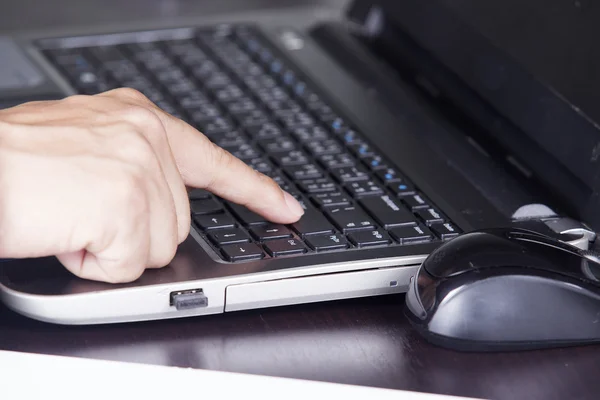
(124, 273)
(130, 195)
(185, 223)
(141, 116)
(76, 99)
(134, 149)
(132, 94)
(167, 254)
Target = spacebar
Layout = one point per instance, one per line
(312, 223)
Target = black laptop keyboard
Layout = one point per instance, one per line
(238, 91)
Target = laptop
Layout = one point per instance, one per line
(398, 127)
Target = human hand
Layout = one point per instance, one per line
(100, 183)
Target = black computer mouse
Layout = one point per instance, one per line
(506, 289)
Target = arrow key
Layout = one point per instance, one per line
(214, 221)
(228, 236)
(270, 231)
(242, 252)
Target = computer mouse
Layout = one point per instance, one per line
(506, 289)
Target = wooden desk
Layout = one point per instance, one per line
(363, 341)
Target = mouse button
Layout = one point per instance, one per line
(529, 238)
(468, 251)
(561, 258)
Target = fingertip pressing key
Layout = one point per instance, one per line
(293, 205)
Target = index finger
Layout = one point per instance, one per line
(202, 164)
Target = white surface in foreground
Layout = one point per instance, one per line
(35, 376)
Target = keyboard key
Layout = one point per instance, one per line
(331, 199)
(430, 216)
(268, 95)
(257, 83)
(266, 131)
(294, 157)
(185, 47)
(217, 81)
(369, 238)
(229, 139)
(228, 236)
(288, 77)
(336, 124)
(278, 178)
(375, 162)
(182, 88)
(306, 171)
(252, 118)
(265, 56)
(243, 151)
(445, 231)
(205, 206)
(415, 202)
(312, 223)
(270, 231)
(198, 102)
(260, 165)
(317, 185)
(241, 106)
(198, 194)
(363, 188)
(277, 145)
(285, 247)
(350, 218)
(246, 216)
(296, 119)
(170, 75)
(361, 149)
(402, 188)
(411, 234)
(214, 221)
(349, 174)
(387, 211)
(306, 134)
(350, 137)
(204, 69)
(228, 93)
(300, 90)
(214, 126)
(242, 252)
(329, 146)
(106, 54)
(327, 242)
(330, 161)
(283, 107)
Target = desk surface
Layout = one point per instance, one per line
(363, 341)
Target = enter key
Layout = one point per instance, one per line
(388, 211)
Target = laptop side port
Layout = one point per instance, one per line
(188, 299)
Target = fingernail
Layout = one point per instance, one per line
(293, 204)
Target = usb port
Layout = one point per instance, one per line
(188, 299)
